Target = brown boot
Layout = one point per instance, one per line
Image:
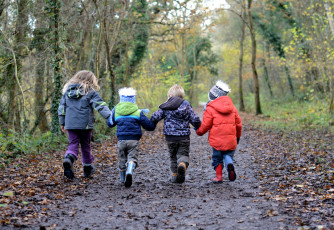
(181, 172)
(174, 176)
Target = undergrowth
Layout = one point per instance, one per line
(14, 145)
(293, 114)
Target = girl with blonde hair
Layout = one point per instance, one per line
(76, 116)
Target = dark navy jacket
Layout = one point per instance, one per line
(129, 120)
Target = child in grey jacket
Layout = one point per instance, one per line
(76, 116)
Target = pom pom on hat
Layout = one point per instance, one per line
(218, 90)
(127, 95)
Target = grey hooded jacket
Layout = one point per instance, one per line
(76, 109)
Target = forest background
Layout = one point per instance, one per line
(276, 55)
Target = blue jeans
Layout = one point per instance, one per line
(220, 157)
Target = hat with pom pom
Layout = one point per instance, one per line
(127, 95)
(218, 90)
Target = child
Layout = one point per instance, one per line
(177, 113)
(76, 116)
(129, 120)
(223, 120)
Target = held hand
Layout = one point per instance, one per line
(63, 129)
(145, 111)
(110, 123)
(238, 139)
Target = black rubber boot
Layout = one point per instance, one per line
(68, 166)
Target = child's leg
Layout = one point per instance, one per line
(122, 156)
(228, 157)
(132, 149)
(183, 152)
(217, 158)
(74, 140)
(87, 157)
(172, 150)
(217, 163)
(71, 153)
(182, 160)
(85, 142)
(228, 160)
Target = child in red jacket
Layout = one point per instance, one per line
(223, 120)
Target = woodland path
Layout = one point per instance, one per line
(153, 202)
(277, 187)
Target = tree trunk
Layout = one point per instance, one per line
(98, 41)
(57, 75)
(331, 82)
(266, 76)
(38, 43)
(2, 6)
(12, 88)
(14, 113)
(241, 59)
(253, 62)
(83, 46)
(109, 64)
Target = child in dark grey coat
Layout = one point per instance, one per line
(177, 114)
(76, 116)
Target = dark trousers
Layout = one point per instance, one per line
(178, 152)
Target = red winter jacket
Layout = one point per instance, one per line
(223, 120)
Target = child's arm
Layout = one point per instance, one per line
(99, 105)
(111, 120)
(157, 116)
(146, 123)
(238, 124)
(61, 111)
(194, 119)
(206, 123)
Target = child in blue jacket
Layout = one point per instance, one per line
(129, 120)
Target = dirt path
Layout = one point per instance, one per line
(153, 202)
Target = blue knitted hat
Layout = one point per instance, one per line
(127, 95)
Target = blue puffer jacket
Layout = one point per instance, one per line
(76, 109)
(129, 120)
(177, 113)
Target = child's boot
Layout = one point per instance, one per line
(68, 166)
(219, 174)
(174, 176)
(122, 175)
(128, 174)
(89, 170)
(231, 173)
(181, 172)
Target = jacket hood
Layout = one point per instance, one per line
(126, 108)
(222, 105)
(74, 91)
(172, 103)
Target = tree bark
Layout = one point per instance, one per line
(241, 58)
(331, 82)
(57, 75)
(14, 115)
(253, 62)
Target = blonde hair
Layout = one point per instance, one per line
(176, 91)
(86, 79)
